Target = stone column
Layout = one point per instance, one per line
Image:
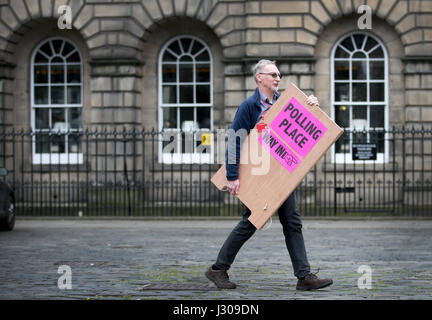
(116, 115)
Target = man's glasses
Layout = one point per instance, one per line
(273, 74)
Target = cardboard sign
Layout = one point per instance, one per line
(297, 137)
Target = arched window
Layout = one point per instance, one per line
(360, 96)
(56, 100)
(185, 101)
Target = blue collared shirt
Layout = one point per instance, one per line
(266, 100)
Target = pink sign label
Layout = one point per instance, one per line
(298, 127)
(279, 150)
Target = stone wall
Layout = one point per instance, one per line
(121, 42)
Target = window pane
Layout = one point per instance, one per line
(377, 116)
(341, 92)
(377, 92)
(204, 56)
(41, 95)
(377, 53)
(74, 94)
(168, 56)
(186, 72)
(57, 95)
(196, 47)
(40, 58)
(58, 121)
(57, 143)
(74, 142)
(57, 44)
(359, 117)
(67, 49)
(358, 39)
(57, 74)
(46, 49)
(57, 60)
(41, 74)
(341, 53)
(169, 73)
(75, 118)
(186, 42)
(74, 57)
(341, 70)
(186, 94)
(187, 119)
(359, 70)
(359, 55)
(359, 112)
(370, 43)
(203, 118)
(203, 94)
(377, 69)
(42, 118)
(347, 43)
(342, 145)
(342, 116)
(74, 74)
(359, 92)
(42, 143)
(175, 47)
(169, 94)
(186, 58)
(169, 118)
(202, 73)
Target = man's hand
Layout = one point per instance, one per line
(233, 187)
(313, 101)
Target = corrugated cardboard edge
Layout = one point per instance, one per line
(262, 212)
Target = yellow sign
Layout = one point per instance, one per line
(206, 139)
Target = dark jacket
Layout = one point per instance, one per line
(247, 116)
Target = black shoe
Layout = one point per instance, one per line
(220, 278)
(312, 282)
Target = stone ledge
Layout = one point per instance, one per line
(360, 167)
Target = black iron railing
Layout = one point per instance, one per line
(124, 173)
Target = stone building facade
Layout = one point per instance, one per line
(177, 64)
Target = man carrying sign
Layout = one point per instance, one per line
(267, 77)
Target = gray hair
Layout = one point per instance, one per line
(260, 66)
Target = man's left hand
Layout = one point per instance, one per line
(313, 101)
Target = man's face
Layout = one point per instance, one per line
(266, 80)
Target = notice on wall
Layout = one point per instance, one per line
(364, 151)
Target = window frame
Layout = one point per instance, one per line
(347, 157)
(66, 157)
(180, 157)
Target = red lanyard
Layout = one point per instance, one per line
(262, 125)
(265, 104)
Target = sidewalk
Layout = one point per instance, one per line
(151, 259)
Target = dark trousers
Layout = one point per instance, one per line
(289, 217)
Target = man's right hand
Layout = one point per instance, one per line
(233, 186)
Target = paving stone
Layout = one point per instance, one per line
(143, 259)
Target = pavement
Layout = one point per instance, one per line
(166, 259)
